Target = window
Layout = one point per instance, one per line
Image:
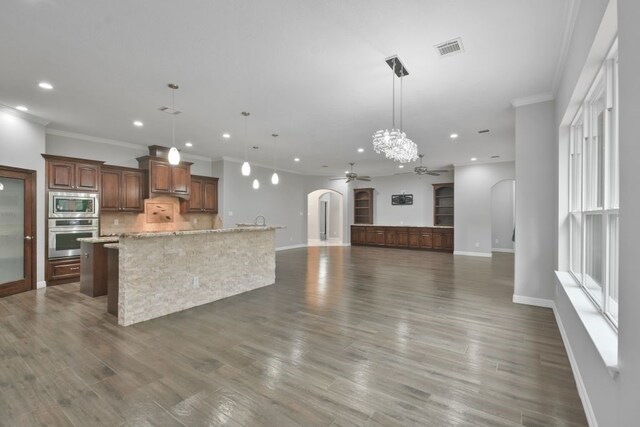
(593, 191)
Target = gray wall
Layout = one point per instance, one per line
(536, 200)
(502, 207)
(21, 144)
(472, 220)
(418, 214)
(112, 152)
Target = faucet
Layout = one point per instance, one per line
(264, 221)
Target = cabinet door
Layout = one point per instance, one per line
(210, 196)
(86, 177)
(110, 191)
(180, 179)
(131, 191)
(448, 241)
(402, 239)
(390, 238)
(195, 201)
(426, 240)
(159, 177)
(438, 241)
(61, 175)
(379, 237)
(414, 240)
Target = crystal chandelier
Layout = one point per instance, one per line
(394, 143)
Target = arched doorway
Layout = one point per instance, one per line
(325, 218)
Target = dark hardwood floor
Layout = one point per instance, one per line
(346, 337)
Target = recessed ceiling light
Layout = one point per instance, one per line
(188, 144)
(453, 136)
(138, 123)
(346, 171)
(22, 108)
(360, 150)
(473, 159)
(401, 166)
(226, 135)
(45, 85)
(297, 159)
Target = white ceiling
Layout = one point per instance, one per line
(312, 71)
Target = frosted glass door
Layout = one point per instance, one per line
(12, 236)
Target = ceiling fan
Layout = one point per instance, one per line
(423, 170)
(352, 176)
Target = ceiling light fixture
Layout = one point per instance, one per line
(275, 179)
(453, 136)
(297, 159)
(246, 167)
(394, 143)
(360, 150)
(401, 166)
(226, 135)
(22, 108)
(188, 144)
(473, 159)
(45, 85)
(256, 184)
(138, 123)
(174, 154)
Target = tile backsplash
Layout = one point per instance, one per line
(117, 222)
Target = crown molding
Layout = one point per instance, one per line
(12, 111)
(485, 162)
(533, 99)
(570, 16)
(100, 140)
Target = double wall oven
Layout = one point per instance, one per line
(71, 216)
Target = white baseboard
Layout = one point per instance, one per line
(582, 390)
(509, 251)
(284, 248)
(481, 254)
(41, 284)
(538, 302)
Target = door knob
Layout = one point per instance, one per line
(28, 237)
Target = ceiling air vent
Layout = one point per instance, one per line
(170, 110)
(451, 47)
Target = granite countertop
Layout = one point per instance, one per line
(196, 232)
(104, 239)
(408, 226)
(112, 245)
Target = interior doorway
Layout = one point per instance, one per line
(325, 218)
(503, 216)
(17, 230)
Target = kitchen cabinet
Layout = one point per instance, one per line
(67, 173)
(426, 238)
(93, 269)
(164, 178)
(63, 270)
(121, 190)
(203, 196)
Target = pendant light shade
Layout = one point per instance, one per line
(275, 179)
(174, 156)
(256, 184)
(246, 168)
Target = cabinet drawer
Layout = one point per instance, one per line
(64, 269)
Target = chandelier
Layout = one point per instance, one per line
(394, 143)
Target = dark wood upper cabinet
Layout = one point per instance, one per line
(204, 195)
(165, 179)
(68, 173)
(121, 189)
(363, 205)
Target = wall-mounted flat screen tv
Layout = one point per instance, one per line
(402, 199)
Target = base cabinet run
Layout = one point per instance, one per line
(428, 238)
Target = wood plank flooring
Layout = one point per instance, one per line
(346, 337)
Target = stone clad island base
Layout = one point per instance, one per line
(162, 273)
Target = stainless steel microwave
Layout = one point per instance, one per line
(73, 205)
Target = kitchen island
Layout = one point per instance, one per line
(165, 272)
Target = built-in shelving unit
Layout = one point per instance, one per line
(363, 205)
(443, 204)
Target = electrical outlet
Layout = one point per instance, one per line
(230, 213)
(196, 282)
(195, 220)
(116, 221)
(477, 244)
(497, 240)
(291, 239)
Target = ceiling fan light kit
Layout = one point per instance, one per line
(350, 175)
(394, 143)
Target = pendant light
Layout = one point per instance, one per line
(174, 154)
(256, 184)
(275, 179)
(246, 167)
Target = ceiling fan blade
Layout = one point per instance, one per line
(335, 179)
(363, 178)
(404, 173)
(432, 173)
(439, 170)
